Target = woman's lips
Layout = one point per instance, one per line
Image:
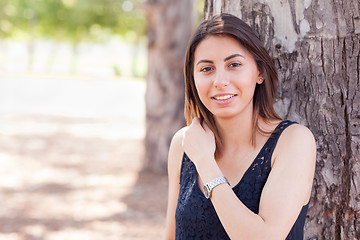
(223, 99)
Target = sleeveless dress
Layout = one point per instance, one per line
(195, 215)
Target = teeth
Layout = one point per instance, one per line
(224, 97)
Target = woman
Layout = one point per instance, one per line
(237, 171)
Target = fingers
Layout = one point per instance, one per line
(197, 136)
(195, 121)
(205, 126)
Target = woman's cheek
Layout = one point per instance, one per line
(202, 87)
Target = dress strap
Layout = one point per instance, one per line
(277, 132)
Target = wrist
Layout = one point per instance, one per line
(208, 170)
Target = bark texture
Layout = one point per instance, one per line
(315, 45)
(169, 27)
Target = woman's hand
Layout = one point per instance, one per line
(199, 143)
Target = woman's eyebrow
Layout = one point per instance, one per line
(204, 61)
(233, 56)
(226, 59)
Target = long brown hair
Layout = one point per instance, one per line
(264, 96)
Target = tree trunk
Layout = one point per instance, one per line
(169, 28)
(316, 48)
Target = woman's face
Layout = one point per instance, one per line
(225, 75)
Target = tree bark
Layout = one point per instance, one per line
(316, 48)
(169, 28)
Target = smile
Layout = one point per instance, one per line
(224, 97)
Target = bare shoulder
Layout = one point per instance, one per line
(176, 151)
(297, 133)
(176, 142)
(297, 141)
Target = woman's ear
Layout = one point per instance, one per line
(260, 79)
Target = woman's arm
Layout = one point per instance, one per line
(287, 189)
(174, 165)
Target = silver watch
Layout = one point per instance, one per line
(208, 187)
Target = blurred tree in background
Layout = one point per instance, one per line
(169, 26)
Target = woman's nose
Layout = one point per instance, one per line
(220, 80)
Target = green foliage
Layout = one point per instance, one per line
(71, 20)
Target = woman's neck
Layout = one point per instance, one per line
(236, 133)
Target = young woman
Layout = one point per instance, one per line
(237, 171)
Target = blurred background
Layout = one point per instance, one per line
(75, 151)
(92, 91)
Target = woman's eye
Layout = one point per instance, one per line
(234, 65)
(206, 69)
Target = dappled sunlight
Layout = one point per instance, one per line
(72, 123)
(70, 167)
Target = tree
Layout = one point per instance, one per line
(169, 28)
(316, 48)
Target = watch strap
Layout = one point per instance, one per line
(208, 187)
